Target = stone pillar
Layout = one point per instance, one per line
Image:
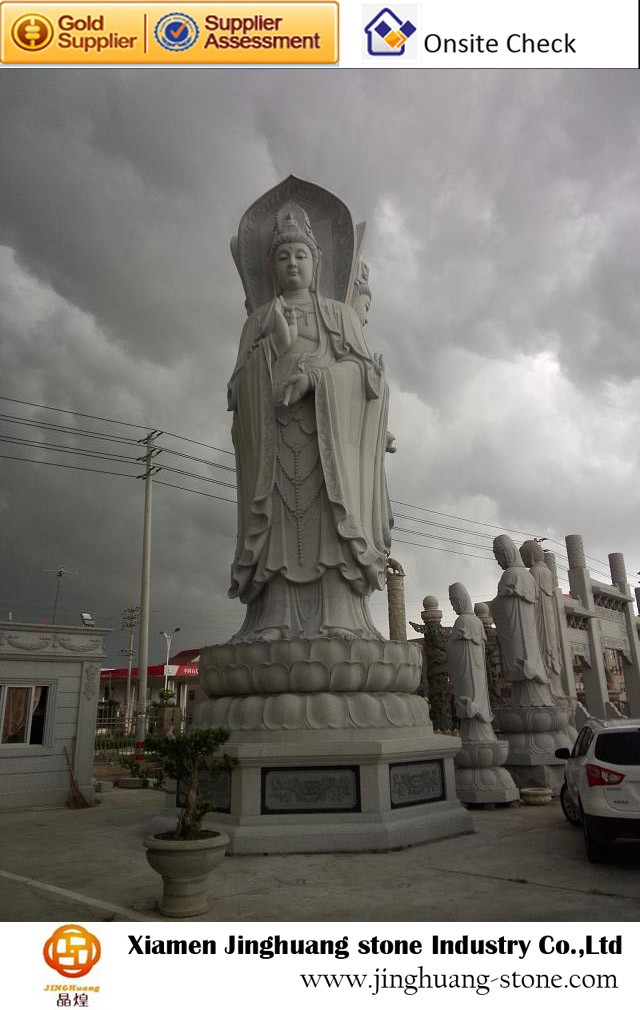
(595, 680)
(632, 669)
(435, 675)
(618, 572)
(395, 601)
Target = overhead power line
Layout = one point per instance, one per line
(437, 536)
(68, 466)
(191, 490)
(72, 429)
(65, 448)
(105, 436)
(445, 550)
(431, 522)
(113, 420)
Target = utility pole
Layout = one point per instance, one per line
(60, 573)
(143, 641)
(168, 635)
(130, 618)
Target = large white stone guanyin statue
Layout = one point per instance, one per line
(310, 406)
(309, 431)
(335, 749)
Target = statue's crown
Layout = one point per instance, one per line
(292, 225)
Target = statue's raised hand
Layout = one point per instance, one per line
(281, 328)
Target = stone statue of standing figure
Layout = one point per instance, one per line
(320, 709)
(532, 554)
(310, 407)
(530, 720)
(467, 668)
(479, 775)
(514, 614)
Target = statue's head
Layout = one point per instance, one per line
(532, 553)
(460, 599)
(505, 552)
(294, 253)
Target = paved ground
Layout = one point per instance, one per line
(521, 864)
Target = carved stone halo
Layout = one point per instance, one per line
(332, 227)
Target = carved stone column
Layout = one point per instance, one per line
(594, 677)
(395, 601)
(435, 679)
(632, 669)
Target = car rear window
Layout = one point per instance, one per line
(619, 748)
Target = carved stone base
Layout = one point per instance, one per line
(335, 751)
(320, 710)
(479, 775)
(310, 665)
(534, 732)
(354, 795)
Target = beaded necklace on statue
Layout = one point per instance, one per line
(304, 311)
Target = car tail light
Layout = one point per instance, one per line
(597, 776)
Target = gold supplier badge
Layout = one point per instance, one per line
(32, 32)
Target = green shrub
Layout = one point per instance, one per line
(184, 757)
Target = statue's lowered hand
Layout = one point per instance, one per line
(295, 388)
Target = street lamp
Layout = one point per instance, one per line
(168, 635)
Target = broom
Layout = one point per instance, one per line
(76, 800)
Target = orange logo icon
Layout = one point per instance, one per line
(72, 951)
(32, 32)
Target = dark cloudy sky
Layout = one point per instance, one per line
(503, 214)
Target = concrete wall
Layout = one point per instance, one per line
(67, 662)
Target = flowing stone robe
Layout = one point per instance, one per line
(547, 625)
(514, 615)
(467, 670)
(313, 511)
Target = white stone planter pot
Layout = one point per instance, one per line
(185, 867)
(536, 796)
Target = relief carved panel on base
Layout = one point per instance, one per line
(416, 782)
(310, 790)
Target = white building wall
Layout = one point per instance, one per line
(67, 661)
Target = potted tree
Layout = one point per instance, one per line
(185, 857)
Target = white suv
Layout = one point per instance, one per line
(601, 787)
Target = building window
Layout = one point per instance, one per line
(23, 712)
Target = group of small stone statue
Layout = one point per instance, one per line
(537, 717)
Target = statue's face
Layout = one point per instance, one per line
(293, 265)
(361, 306)
(500, 555)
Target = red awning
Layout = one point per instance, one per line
(157, 670)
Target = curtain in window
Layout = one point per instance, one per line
(16, 712)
